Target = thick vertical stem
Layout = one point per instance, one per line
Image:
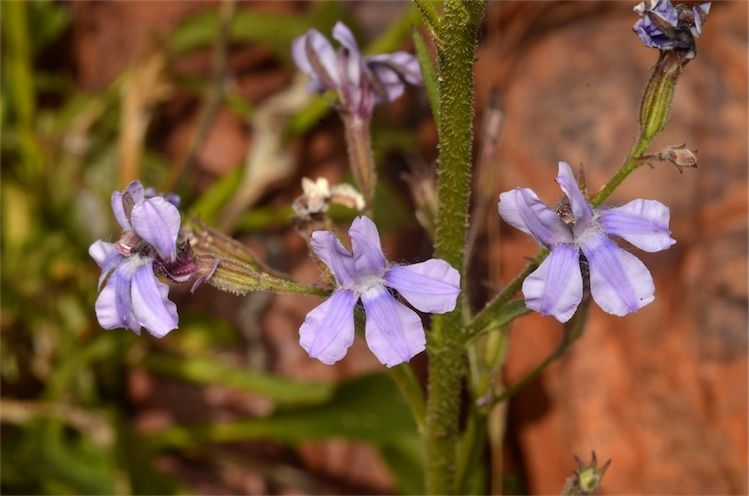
(458, 37)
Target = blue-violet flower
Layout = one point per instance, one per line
(666, 27)
(619, 282)
(132, 296)
(393, 331)
(360, 81)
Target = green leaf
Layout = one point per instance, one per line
(210, 203)
(429, 75)
(405, 459)
(137, 461)
(263, 218)
(49, 19)
(367, 409)
(205, 371)
(277, 30)
(502, 316)
(46, 460)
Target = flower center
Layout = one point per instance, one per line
(367, 283)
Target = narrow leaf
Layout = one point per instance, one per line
(205, 371)
(428, 73)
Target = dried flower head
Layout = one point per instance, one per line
(666, 27)
(317, 196)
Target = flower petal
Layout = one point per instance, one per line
(394, 332)
(393, 71)
(105, 256)
(103, 253)
(619, 282)
(329, 249)
(390, 86)
(157, 221)
(350, 67)
(299, 55)
(580, 207)
(328, 330)
(666, 11)
(644, 223)
(315, 56)
(151, 304)
(345, 37)
(122, 203)
(556, 287)
(404, 64)
(114, 306)
(365, 242)
(522, 209)
(431, 286)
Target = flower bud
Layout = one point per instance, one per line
(656, 101)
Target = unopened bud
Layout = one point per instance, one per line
(656, 101)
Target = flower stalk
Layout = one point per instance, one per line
(458, 34)
(361, 158)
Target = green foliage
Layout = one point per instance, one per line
(205, 371)
(66, 424)
(367, 409)
(276, 30)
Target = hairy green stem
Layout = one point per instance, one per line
(456, 51)
(630, 164)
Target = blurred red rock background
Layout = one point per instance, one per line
(663, 393)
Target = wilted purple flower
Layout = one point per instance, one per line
(360, 81)
(132, 295)
(393, 331)
(619, 282)
(666, 27)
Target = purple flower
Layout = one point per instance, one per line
(360, 81)
(619, 282)
(666, 27)
(132, 296)
(393, 331)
